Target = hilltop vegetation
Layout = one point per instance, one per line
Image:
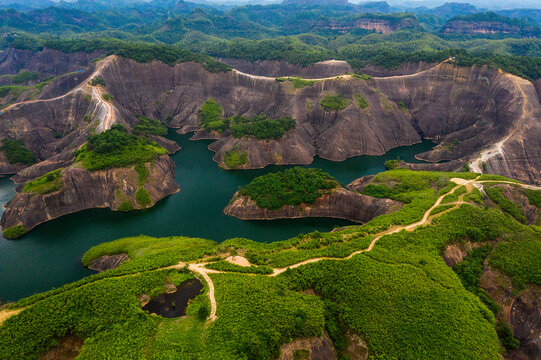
(400, 297)
(117, 148)
(258, 126)
(290, 187)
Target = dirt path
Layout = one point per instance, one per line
(341, 77)
(4, 314)
(108, 119)
(497, 148)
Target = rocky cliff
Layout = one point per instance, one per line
(467, 110)
(82, 189)
(383, 26)
(273, 68)
(341, 203)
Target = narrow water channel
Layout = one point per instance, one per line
(49, 256)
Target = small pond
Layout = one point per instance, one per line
(174, 305)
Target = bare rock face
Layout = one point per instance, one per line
(108, 262)
(341, 203)
(522, 312)
(486, 27)
(273, 68)
(319, 348)
(383, 26)
(484, 110)
(83, 189)
(46, 61)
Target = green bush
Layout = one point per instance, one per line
(147, 126)
(211, 113)
(298, 83)
(116, 148)
(290, 187)
(333, 102)
(45, 184)
(126, 205)
(108, 97)
(391, 164)
(235, 158)
(361, 76)
(97, 81)
(360, 101)
(142, 197)
(496, 195)
(24, 77)
(260, 126)
(223, 265)
(14, 232)
(17, 153)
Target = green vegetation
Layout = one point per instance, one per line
(210, 116)
(107, 97)
(474, 196)
(496, 195)
(142, 197)
(147, 126)
(13, 90)
(117, 148)
(534, 196)
(45, 184)
(403, 107)
(15, 232)
(441, 208)
(361, 76)
(259, 126)
(223, 265)
(451, 145)
(290, 187)
(400, 297)
(298, 83)
(97, 81)
(24, 77)
(392, 164)
(454, 196)
(126, 205)
(235, 158)
(301, 354)
(17, 153)
(333, 102)
(360, 101)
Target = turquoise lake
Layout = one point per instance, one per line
(49, 256)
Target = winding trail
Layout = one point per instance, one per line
(200, 268)
(107, 119)
(497, 148)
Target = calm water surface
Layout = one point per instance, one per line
(49, 256)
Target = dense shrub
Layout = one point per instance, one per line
(360, 101)
(17, 153)
(97, 81)
(290, 187)
(210, 116)
(14, 232)
(24, 77)
(260, 126)
(147, 126)
(142, 197)
(333, 102)
(235, 158)
(116, 148)
(496, 195)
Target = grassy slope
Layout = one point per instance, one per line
(401, 297)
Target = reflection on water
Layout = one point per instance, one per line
(49, 256)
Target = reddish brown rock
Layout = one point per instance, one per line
(83, 189)
(341, 203)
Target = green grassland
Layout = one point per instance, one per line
(400, 298)
(45, 184)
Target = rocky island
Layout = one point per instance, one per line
(322, 196)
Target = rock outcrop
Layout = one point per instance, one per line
(378, 25)
(108, 262)
(474, 109)
(273, 68)
(341, 203)
(83, 189)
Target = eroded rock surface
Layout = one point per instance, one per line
(108, 262)
(341, 203)
(320, 348)
(83, 189)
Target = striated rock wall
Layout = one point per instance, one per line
(273, 68)
(341, 203)
(47, 62)
(478, 107)
(85, 190)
